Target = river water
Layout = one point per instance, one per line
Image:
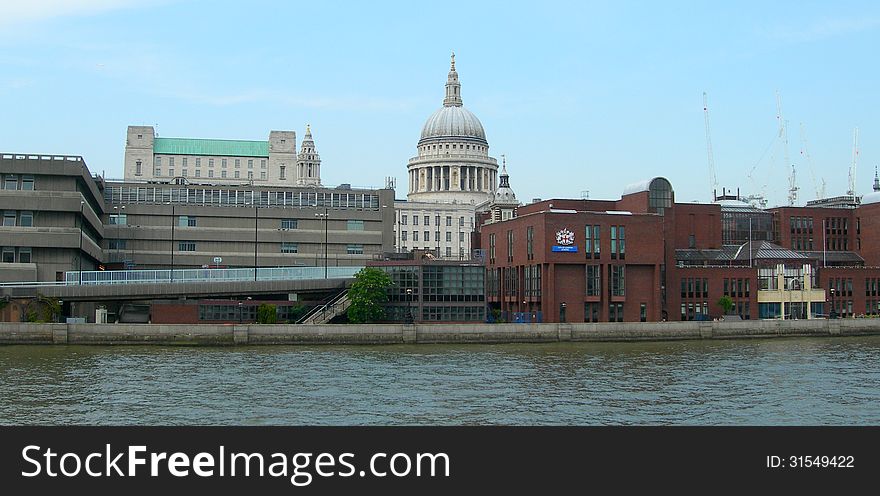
(797, 381)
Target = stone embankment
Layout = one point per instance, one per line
(256, 334)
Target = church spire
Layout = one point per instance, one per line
(453, 87)
(504, 178)
(876, 180)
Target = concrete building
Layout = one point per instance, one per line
(274, 162)
(53, 217)
(444, 229)
(58, 218)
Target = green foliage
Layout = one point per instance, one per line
(267, 314)
(368, 294)
(726, 303)
(43, 309)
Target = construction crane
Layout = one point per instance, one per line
(783, 135)
(805, 152)
(713, 182)
(855, 163)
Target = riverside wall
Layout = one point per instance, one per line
(256, 334)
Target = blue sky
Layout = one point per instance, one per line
(580, 96)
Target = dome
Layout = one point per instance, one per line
(871, 198)
(453, 122)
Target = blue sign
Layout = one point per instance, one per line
(567, 249)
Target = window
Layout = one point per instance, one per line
(288, 223)
(9, 218)
(185, 173)
(448, 251)
(591, 241)
(263, 176)
(24, 255)
(427, 220)
(118, 219)
(287, 247)
(158, 161)
(223, 174)
(461, 237)
(198, 173)
(263, 163)
(282, 173)
(427, 236)
(436, 220)
(138, 168)
(643, 312)
(461, 221)
(415, 220)
(250, 174)
(448, 221)
(237, 175)
(170, 161)
(355, 225)
(415, 235)
(223, 163)
(171, 172)
(238, 163)
(448, 237)
(250, 163)
(116, 244)
(186, 221)
(530, 245)
(11, 182)
(157, 172)
(26, 219)
(615, 312)
(355, 249)
(437, 237)
(403, 235)
(617, 280)
(403, 220)
(184, 161)
(509, 244)
(8, 254)
(594, 280)
(492, 248)
(210, 162)
(210, 172)
(198, 162)
(591, 312)
(186, 246)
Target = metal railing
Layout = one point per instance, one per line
(164, 276)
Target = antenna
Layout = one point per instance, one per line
(855, 163)
(713, 182)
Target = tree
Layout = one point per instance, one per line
(267, 314)
(726, 303)
(368, 294)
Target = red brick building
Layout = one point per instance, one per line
(645, 257)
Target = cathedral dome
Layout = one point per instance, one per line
(453, 122)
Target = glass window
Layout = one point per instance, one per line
(11, 182)
(448, 220)
(27, 183)
(8, 254)
(186, 246)
(24, 255)
(427, 220)
(186, 221)
(26, 219)
(9, 218)
(415, 220)
(403, 220)
(355, 249)
(287, 247)
(223, 163)
(250, 163)
(355, 225)
(288, 223)
(237, 163)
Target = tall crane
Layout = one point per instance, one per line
(783, 135)
(820, 192)
(855, 163)
(713, 182)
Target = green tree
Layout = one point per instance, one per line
(267, 314)
(726, 304)
(368, 295)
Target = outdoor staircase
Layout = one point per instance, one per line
(323, 314)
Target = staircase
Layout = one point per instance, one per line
(323, 314)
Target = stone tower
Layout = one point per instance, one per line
(308, 162)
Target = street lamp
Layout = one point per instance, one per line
(409, 315)
(833, 312)
(324, 215)
(119, 211)
(82, 205)
(239, 311)
(173, 222)
(562, 312)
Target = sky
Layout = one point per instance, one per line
(583, 98)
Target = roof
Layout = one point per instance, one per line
(764, 250)
(225, 148)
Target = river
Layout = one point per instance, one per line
(796, 381)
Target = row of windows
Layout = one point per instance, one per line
(23, 218)
(223, 162)
(696, 287)
(737, 288)
(404, 220)
(615, 312)
(426, 148)
(13, 182)
(238, 197)
(454, 314)
(872, 286)
(840, 286)
(185, 173)
(286, 247)
(9, 252)
(427, 236)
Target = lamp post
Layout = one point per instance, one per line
(256, 220)
(562, 312)
(239, 311)
(409, 315)
(833, 312)
(118, 212)
(324, 215)
(173, 222)
(82, 205)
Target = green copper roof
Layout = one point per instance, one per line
(225, 148)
